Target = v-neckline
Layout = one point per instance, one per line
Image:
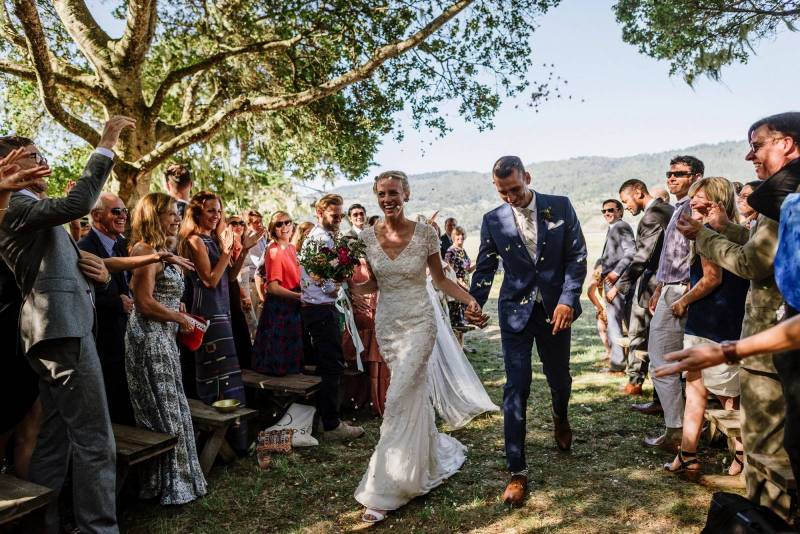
(377, 241)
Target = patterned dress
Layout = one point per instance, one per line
(458, 259)
(153, 367)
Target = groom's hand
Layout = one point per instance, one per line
(562, 318)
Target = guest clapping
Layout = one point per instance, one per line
(152, 359)
(205, 241)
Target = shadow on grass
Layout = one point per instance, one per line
(608, 483)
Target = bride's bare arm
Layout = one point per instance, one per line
(452, 289)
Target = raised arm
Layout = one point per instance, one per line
(753, 260)
(485, 266)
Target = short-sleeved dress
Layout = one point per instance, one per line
(278, 349)
(459, 260)
(412, 457)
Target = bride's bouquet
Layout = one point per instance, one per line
(336, 263)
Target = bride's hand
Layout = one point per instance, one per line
(475, 315)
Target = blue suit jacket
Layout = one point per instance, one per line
(558, 271)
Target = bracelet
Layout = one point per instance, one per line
(729, 352)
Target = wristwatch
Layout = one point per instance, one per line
(729, 352)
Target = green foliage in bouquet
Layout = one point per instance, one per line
(335, 263)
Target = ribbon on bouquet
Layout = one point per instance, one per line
(345, 307)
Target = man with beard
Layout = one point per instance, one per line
(321, 323)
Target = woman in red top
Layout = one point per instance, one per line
(278, 349)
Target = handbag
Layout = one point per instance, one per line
(733, 514)
(194, 337)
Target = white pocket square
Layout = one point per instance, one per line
(553, 225)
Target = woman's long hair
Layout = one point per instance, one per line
(300, 233)
(146, 220)
(191, 221)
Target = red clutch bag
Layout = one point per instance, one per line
(193, 338)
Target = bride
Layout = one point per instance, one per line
(411, 457)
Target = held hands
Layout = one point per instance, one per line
(562, 318)
(112, 129)
(691, 359)
(475, 315)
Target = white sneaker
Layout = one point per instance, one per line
(343, 432)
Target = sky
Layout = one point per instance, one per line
(623, 104)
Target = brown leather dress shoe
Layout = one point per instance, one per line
(632, 389)
(516, 490)
(649, 408)
(563, 433)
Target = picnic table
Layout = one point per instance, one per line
(215, 424)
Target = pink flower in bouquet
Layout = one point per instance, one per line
(344, 256)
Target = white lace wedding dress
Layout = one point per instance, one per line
(411, 457)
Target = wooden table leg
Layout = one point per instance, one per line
(227, 452)
(122, 475)
(211, 448)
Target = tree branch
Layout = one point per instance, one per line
(245, 104)
(90, 38)
(139, 31)
(40, 56)
(178, 74)
(81, 85)
(8, 30)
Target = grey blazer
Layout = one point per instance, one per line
(60, 301)
(618, 250)
(649, 240)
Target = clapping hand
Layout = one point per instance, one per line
(14, 179)
(168, 257)
(691, 359)
(227, 238)
(250, 239)
(717, 217)
(688, 227)
(475, 315)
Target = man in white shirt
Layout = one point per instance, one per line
(357, 215)
(321, 323)
(254, 258)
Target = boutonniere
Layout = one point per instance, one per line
(547, 214)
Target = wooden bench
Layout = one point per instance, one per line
(216, 424)
(774, 467)
(725, 422)
(299, 384)
(136, 445)
(19, 498)
(348, 371)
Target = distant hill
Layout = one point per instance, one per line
(586, 180)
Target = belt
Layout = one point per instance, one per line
(311, 305)
(676, 283)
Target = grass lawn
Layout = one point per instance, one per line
(608, 483)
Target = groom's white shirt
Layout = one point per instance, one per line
(526, 224)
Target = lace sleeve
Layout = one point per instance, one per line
(432, 242)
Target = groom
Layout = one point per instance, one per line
(539, 239)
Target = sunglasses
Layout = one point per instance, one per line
(236, 223)
(358, 214)
(608, 210)
(116, 212)
(280, 224)
(678, 174)
(38, 158)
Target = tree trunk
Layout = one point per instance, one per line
(133, 184)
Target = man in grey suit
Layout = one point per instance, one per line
(639, 275)
(56, 326)
(617, 255)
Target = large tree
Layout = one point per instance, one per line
(700, 37)
(302, 87)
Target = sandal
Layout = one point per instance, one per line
(685, 460)
(738, 459)
(371, 515)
